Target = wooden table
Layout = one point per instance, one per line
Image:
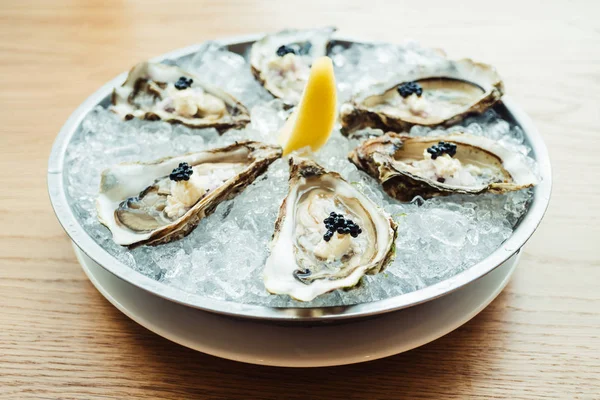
(59, 338)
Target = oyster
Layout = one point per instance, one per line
(440, 94)
(158, 91)
(327, 236)
(427, 166)
(281, 61)
(162, 201)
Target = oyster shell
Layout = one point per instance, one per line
(285, 75)
(143, 203)
(159, 91)
(451, 90)
(409, 166)
(303, 263)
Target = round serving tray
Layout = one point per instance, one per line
(522, 232)
(299, 345)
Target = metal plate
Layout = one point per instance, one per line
(522, 232)
(268, 343)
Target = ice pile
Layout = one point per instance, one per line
(363, 65)
(223, 258)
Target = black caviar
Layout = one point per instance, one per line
(283, 50)
(408, 88)
(181, 173)
(337, 223)
(183, 83)
(442, 147)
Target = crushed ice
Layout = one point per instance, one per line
(223, 258)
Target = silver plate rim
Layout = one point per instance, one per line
(66, 217)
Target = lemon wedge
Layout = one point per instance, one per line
(312, 121)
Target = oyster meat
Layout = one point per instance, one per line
(327, 236)
(158, 91)
(439, 94)
(426, 166)
(162, 201)
(281, 61)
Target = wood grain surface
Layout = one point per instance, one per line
(60, 339)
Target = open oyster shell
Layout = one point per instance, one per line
(151, 92)
(451, 90)
(285, 76)
(141, 204)
(304, 265)
(405, 168)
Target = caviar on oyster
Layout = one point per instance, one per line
(409, 166)
(281, 61)
(158, 91)
(162, 201)
(430, 95)
(327, 235)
